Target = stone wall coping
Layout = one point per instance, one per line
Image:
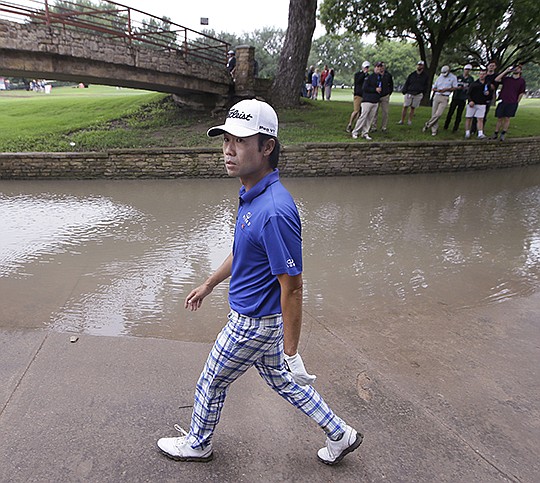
(285, 148)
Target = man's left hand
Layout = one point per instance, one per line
(295, 365)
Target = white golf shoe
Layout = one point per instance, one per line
(335, 451)
(180, 449)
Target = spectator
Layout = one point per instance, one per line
(479, 94)
(315, 84)
(513, 89)
(490, 78)
(309, 86)
(324, 73)
(359, 78)
(445, 84)
(231, 63)
(459, 98)
(371, 92)
(328, 83)
(387, 85)
(414, 89)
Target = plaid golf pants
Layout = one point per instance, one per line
(242, 343)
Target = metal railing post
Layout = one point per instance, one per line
(129, 25)
(47, 17)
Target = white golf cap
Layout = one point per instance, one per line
(247, 118)
(365, 64)
(445, 69)
(467, 67)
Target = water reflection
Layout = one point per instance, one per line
(119, 257)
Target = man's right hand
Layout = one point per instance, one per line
(195, 298)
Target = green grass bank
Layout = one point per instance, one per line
(101, 118)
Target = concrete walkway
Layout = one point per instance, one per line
(91, 410)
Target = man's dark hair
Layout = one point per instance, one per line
(274, 155)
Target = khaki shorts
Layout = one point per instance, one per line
(411, 100)
(478, 111)
(357, 103)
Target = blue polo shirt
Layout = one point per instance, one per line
(267, 242)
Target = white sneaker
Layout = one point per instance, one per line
(409, 123)
(335, 451)
(482, 136)
(180, 449)
(400, 122)
(354, 135)
(367, 137)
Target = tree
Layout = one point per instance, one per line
(287, 85)
(268, 43)
(90, 13)
(434, 25)
(345, 54)
(509, 35)
(157, 33)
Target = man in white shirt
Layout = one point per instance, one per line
(445, 84)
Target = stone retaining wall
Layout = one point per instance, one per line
(337, 159)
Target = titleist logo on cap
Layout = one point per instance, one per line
(236, 114)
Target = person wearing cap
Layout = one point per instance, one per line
(479, 94)
(414, 89)
(359, 78)
(459, 98)
(231, 63)
(387, 85)
(445, 84)
(371, 96)
(491, 77)
(513, 90)
(265, 295)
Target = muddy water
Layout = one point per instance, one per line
(119, 257)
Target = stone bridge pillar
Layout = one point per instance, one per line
(244, 74)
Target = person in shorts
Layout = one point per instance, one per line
(414, 89)
(513, 89)
(480, 92)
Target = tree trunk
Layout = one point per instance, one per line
(287, 85)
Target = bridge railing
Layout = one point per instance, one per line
(116, 21)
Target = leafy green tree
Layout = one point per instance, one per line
(268, 43)
(288, 82)
(508, 35)
(345, 53)
(433, 25)
(157, 31)
(96, 14)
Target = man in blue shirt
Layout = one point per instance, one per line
(265, 295)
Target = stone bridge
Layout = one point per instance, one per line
(44, 51)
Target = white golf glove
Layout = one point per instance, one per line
(295, 365)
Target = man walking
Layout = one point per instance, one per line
(265, 295)
(513, 89)
(459, 98)
(359, 78)
(387, 85)
(445, 84)
(371, 95)
(414, 89)
(479, 94)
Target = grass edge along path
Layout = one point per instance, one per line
(102, 118)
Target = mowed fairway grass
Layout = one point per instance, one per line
(32, 120)
(101, 117)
